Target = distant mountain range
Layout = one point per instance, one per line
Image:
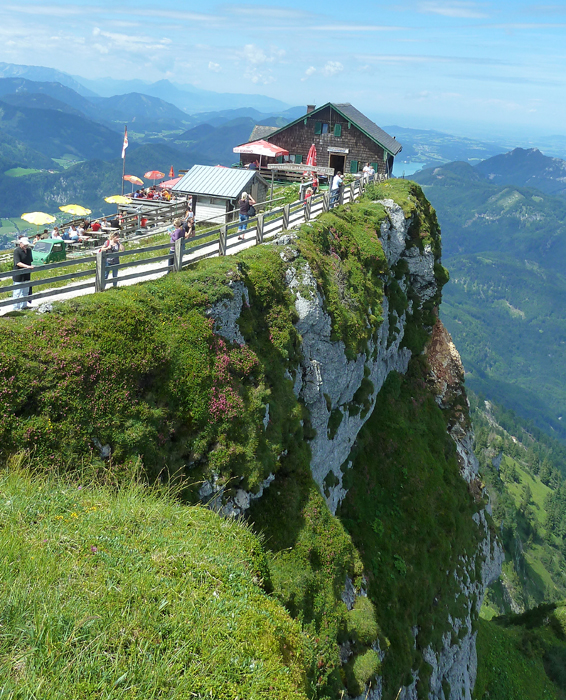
(188, 98)
(526, 168)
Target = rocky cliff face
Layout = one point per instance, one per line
(329, 382)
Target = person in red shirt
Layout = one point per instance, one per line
(95, 226)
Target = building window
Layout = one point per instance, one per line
(375, 166)
(318, 128)
(338, 130)
(324, 128)
(297, 159)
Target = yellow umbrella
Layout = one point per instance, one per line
(117, 199)
(75, 209)
(39, 218)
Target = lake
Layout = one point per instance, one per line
(408, 168)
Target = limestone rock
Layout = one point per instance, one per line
(227, 312)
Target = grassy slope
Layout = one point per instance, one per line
(141, 370)
(523, 656)
(127, 594)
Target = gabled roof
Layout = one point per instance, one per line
(351, 114)
(260, 132)
(216, 181)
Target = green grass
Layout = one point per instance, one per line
(409, 513)
(539, 491)
(19, 172)
(123, 593)
(504, 672)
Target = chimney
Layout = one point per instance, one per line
(310, 108)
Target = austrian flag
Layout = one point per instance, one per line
(125, 142)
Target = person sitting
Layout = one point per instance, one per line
(71, 234)
(167, 195)
(143, 222)
(37, 238)
(95, 226)
(55, 235)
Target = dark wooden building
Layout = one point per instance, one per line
(345, 140)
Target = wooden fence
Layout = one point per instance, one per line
(220, 241)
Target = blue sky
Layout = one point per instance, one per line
(422, 63)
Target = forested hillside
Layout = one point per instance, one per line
(504, 246)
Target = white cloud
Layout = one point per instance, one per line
(266, 11)
(356, 28)
(214, 67)
(332, 68)
(311, 70)
(257, 56)
(128, 43)
(458, 10)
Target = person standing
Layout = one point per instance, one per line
(112, 245)
(23, 260)
(246, 203)
(337, 183)
(178, 233)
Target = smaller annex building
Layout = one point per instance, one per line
(216, 190)
(345, 140)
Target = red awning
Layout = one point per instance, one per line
(169, 183)
(261, 148)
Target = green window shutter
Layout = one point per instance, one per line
(298, 159)
(279, 159)
(375, 166)
(318, 127)
(338, 130)
(353, 166)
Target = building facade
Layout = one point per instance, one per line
(345, 140)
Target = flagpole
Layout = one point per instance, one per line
(124, 155)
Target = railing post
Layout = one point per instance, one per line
(222, 240)
(341, 196)
(308, 204)
(259, 229)
(178, 254)
(286, 215)
(99, 281)
(326, 201)
(352, 185)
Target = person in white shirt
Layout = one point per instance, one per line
(55, 235)
(366, 169)
(337, 183)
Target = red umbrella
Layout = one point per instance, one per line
(154, 175)
(172, 172)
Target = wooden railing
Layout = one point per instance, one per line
(220, 241)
